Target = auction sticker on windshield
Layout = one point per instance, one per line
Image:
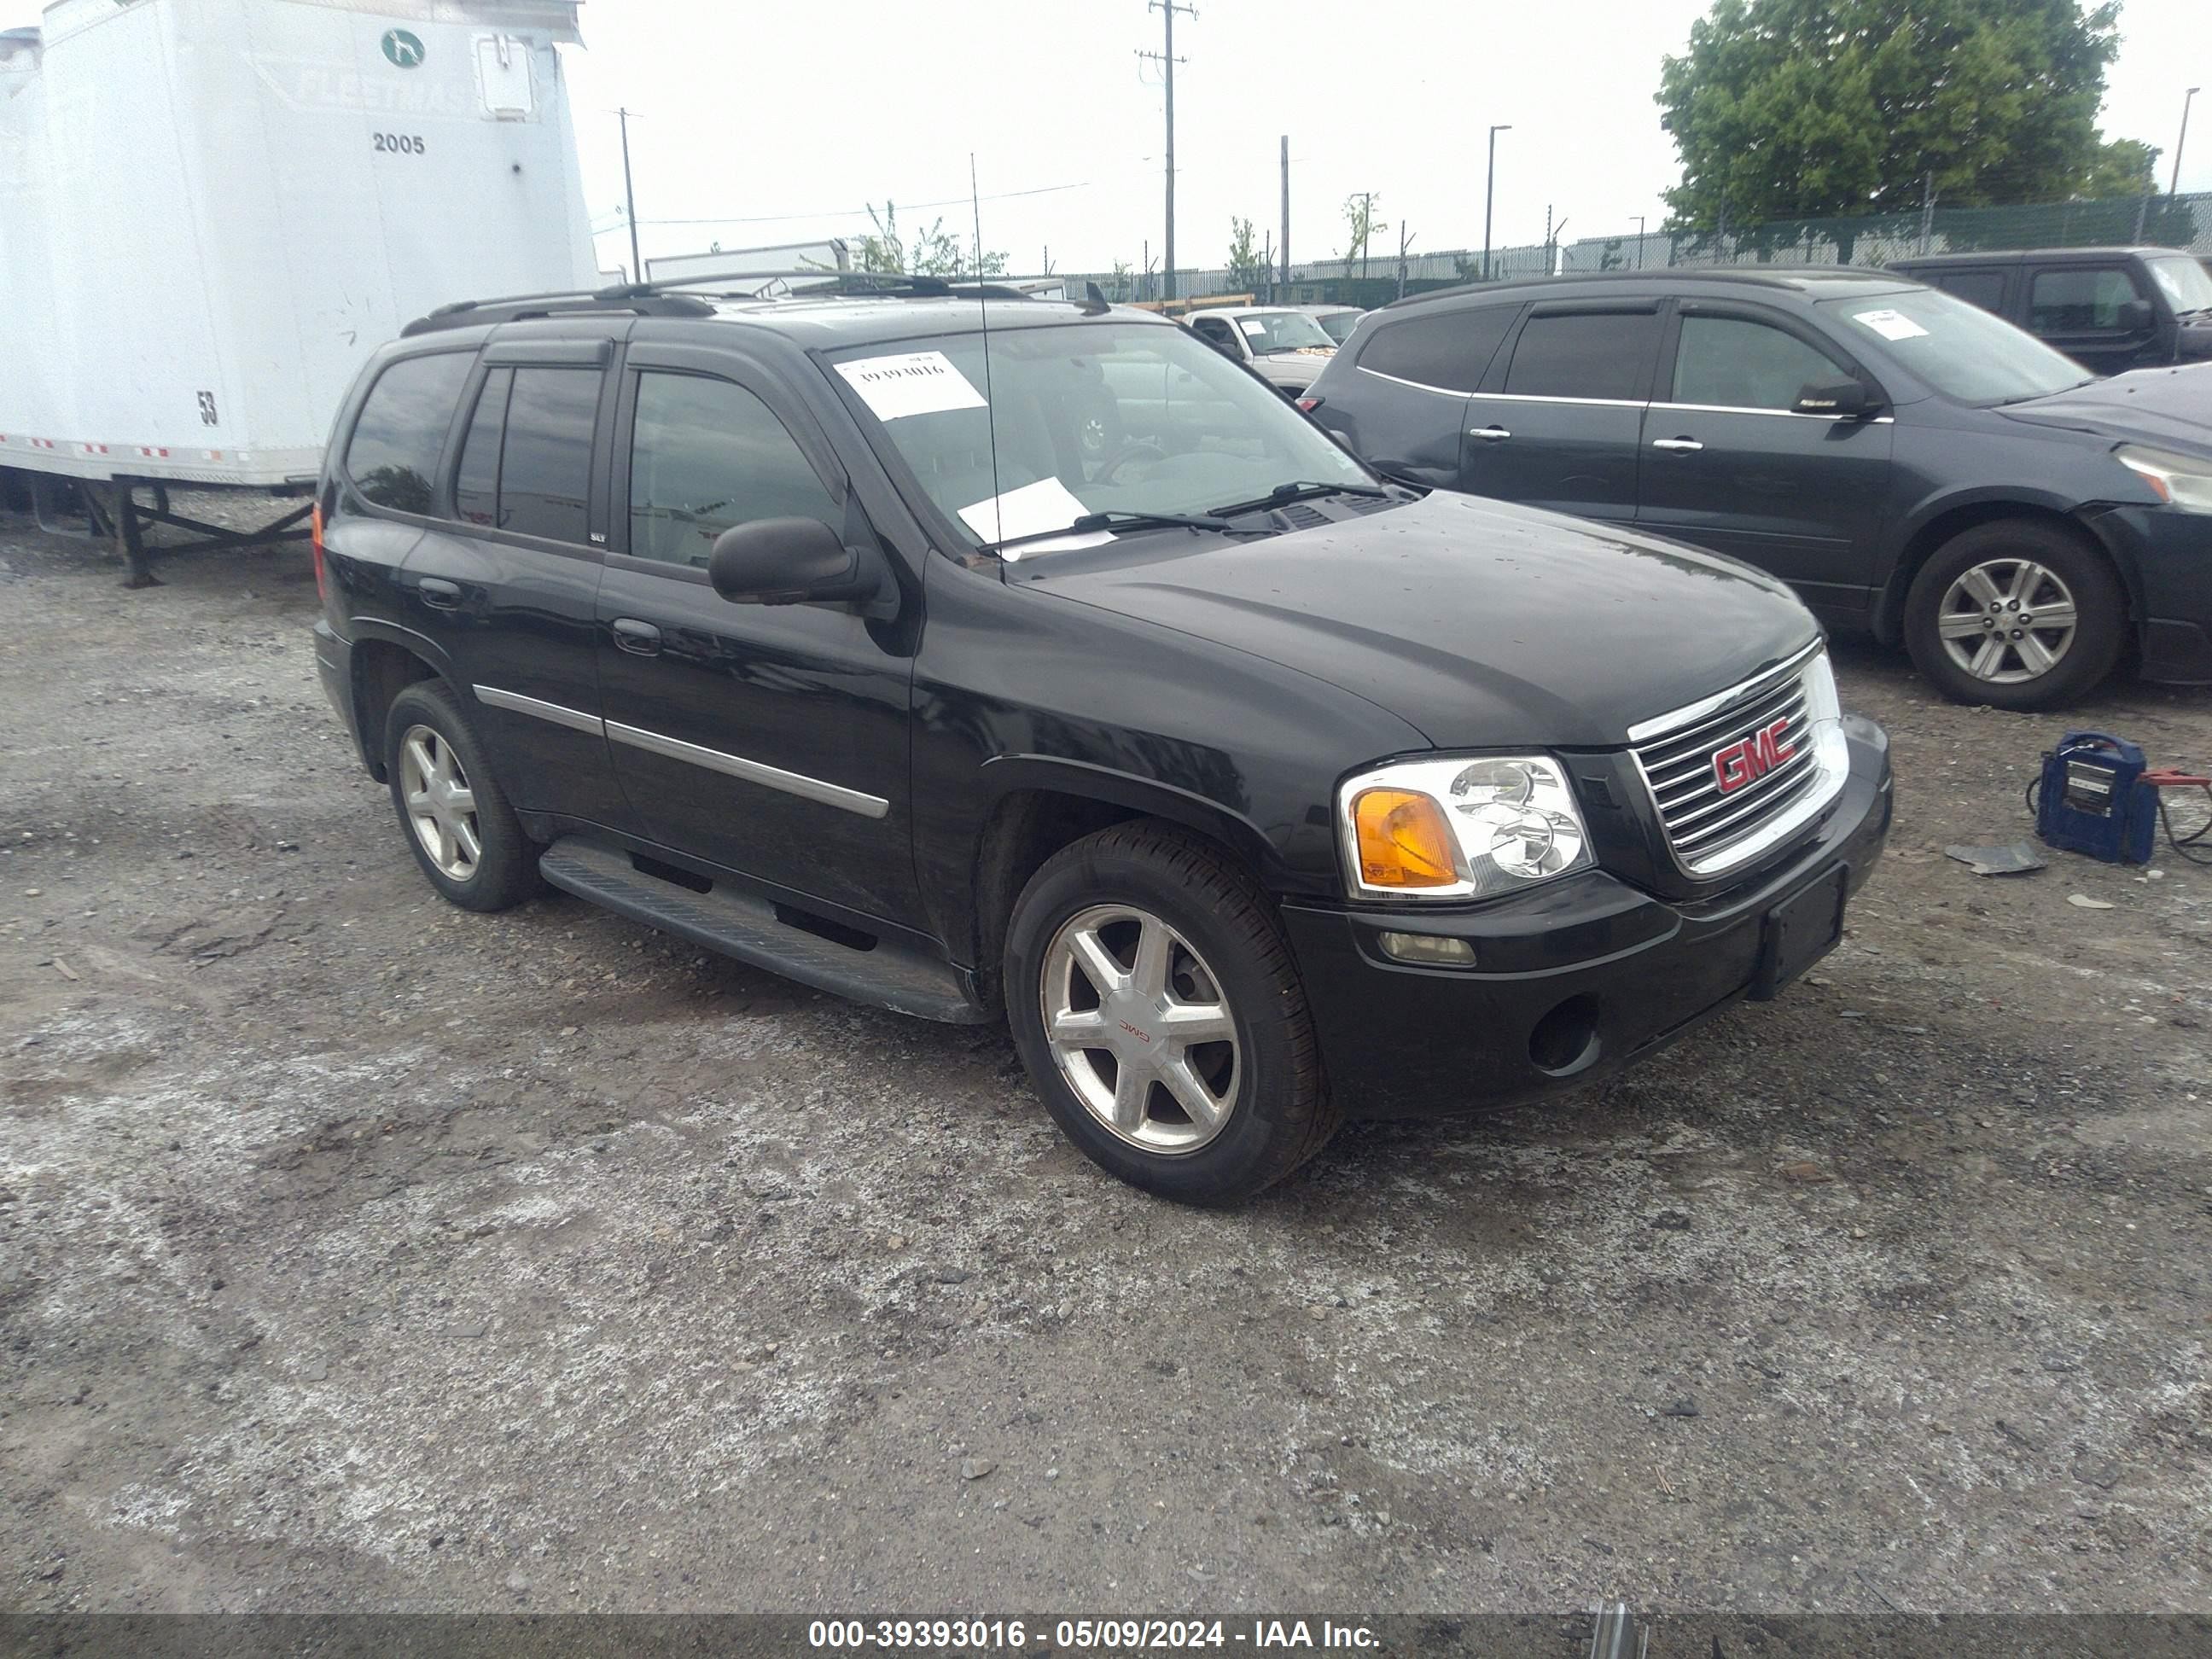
(910, 383)
(1048, 504)
(1890, 324)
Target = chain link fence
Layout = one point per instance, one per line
(2178, 221)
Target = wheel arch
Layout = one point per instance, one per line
(1039, 805)
(385, 662)
(1936, 523)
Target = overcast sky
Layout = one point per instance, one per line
(780, 121)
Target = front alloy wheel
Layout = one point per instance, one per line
(442, 808)
(2007, 621)
(1139, 1028)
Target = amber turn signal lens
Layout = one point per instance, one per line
(1403, 840)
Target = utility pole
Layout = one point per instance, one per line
(2175, 184)
(1367, 227)
(1286, 209)
(1404, 241)
(1927, 209)
(1639, 239)
(1167, 60)
(630, 199)
(1489, 189)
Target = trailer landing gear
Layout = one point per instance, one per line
(115, 511)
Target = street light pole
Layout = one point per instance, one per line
(1639, 239)
(1490, 189)
(2175, 184)
(630, 201)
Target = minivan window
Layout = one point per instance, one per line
(2188, 285)
(1076, 418)
(1736, 363)
(546, 465)
(1450, 349)
(2079, 298)
(1584, 354)
(1983, 288)
(475, 486)
(393, 455)
(706, 456)
(1957, 348)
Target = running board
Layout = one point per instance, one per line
(738, 924)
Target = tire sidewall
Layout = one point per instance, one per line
(1250, 1150)
(2100, 607)
(501, 876)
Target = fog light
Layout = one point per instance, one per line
(1429, 948)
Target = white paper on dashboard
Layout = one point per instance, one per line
(1890, 324)
(910, 383)
(1048, 504)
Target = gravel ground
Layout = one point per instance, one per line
(358, 1253)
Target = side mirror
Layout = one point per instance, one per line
(1847, 398)
(787, 562)
(2137, 316)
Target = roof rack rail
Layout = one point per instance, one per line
(887, 282)
(682, 296)
(472, 313)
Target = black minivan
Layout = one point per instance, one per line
(1910, 464)
(1248, 788)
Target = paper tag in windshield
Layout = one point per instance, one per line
(1890, 324)
(910, 383)
(1048, 504)
(1252, 326)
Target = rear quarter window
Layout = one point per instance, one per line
(392, 456)
(1451, 349)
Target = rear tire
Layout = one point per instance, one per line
(1154, 1001)
(457, 820)
(2017, 613)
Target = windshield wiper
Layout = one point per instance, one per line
(1123, 520)
(1297, 490)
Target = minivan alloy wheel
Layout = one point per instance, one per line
(1141, 1028)
(440, 806)
(2006, 621)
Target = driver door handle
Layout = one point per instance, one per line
(640, 639)
(1493, 434)
(1677, 444)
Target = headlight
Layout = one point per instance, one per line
(2180, 482)
(1469, 827)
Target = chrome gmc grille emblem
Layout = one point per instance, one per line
(1748, 759)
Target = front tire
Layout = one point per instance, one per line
(457, 823)
(2018, 614)
(1154, 1002)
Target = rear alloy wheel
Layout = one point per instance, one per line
(2017, 614)
(1159, 1014)
(458, 825)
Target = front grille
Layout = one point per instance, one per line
(1712, 828)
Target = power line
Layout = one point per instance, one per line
(859, 212)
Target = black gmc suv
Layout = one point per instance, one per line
(826, 632)
(1910, 464)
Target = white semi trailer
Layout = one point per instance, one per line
(212, 210)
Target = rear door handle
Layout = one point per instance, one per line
(439, 593)
(1677, 444)
(640, 639)
(1493, 434)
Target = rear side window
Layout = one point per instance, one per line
(545, 465)
(2069, 301)
(707, 455)
(392, 456)
(475, 486)
(1733, 362)
(1984, 289)
(1450, 349)
(1584, 354)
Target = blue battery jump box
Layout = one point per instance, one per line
(2093, 799)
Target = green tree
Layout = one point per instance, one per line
(1361, 226)
(1786, 110)
(1118, 285)
(2122, 166)
(931, 252)
(1247, 266)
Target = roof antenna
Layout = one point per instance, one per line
(1095, 303)
(983, 309)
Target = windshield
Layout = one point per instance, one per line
(1087, 417)
(1955, 346)
(1281, 330)
(1338, 324)
(2188, 285)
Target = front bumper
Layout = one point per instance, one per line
(1590, 974)
(2171, 554)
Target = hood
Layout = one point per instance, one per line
(1300, 366)
(2169, 407)
(1478, 622)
